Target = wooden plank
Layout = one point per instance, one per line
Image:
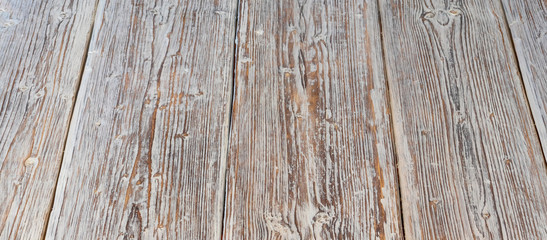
(146, 151)
(528, 24)
(311, 152)
(42, 49)
(470, 161)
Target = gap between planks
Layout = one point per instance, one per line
(71, 115)
(517, 58)
(392, 120)
(230, 111)
(218, 199)
(44, 44)
(229, 119)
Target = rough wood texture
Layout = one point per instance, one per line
(528, 23)
(470, 160)
(146, 151)
(42, 49)
(311, 152)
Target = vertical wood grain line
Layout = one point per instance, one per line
(82, 68)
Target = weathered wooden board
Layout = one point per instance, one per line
(528, 23)
(470, 161)
(146, 150)
(42, 50)
(311, 151)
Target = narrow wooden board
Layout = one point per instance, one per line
(528, 23)
(470, 161)
(42, 49)
(311, 153)
(146, 151)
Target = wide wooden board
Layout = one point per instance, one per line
(146, 150)
(42, 50)
(311, 152)
(528, 23)
(470, 161)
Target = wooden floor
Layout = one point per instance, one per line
(286, 119)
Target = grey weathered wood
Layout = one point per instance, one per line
(528, 23)
(146, 150)
(42, 49)
(470, 161)
(311, 152)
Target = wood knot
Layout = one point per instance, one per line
(23, 87)
(455, 12)
(133, 228)
(461, 116)
(322, 218)
(276, 224)
(245, 60)
(435, 202)
(40, 93)
(183, 135)
(154, 11)
(64, 15)
(220, 13)
(31, 161)
(120, 137)
(442, 17)
(119, 108)
(542, 36)
(67, 96)
(6, 21)
(485, 215)
(427, 15)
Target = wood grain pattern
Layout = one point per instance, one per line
(311, 153)
(146, 151)
(42, 49)
(470, 161)
(528, 23)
